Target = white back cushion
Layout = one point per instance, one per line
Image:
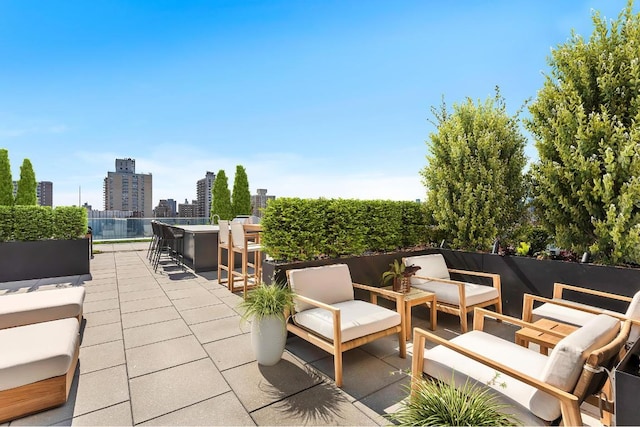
(223, 233)
(329, 284)
(633, 312)
(432, 265)
(567, 358)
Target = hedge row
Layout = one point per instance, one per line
(24, 223)
(303, 229)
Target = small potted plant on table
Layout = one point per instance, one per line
(400, 275)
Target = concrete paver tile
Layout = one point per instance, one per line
(146, 317)
(208, 313)
(231, 352)
(101, 356)
(156, 332)
(218, 329)
(145, 304)
(101, 334)
(116, 415)
(165, 354)
(107, 304)
(101, 317)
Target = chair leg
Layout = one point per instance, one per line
(337, 361)
(463, 320)
(245, 274)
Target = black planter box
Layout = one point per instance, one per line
(519, 275)
(627, 385)
(43, 258)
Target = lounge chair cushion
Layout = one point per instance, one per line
(565, 362)
(40, 306)
(432, 265)
(329, 284)
(563, 314)
(633, 312)
(357, 319)
(37, 352)
(449, 293)
(441, 362)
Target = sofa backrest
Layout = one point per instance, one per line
(633, 312)
(566, 360)
(329, 284)
(432, 265)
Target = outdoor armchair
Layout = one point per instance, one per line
(539, 389)
(454, 296)
(566, 311)
(327, 315)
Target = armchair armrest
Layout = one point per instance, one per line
(495, 278)
(558, 288)
(568, 402)
(391, 294)
(337, 325)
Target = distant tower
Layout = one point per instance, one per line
(44, 191)
(259, 201)
(203, 192)
(126, 190)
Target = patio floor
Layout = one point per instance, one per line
(168, 348)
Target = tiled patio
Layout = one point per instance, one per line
(168, 348)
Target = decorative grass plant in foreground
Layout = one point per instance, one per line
(436, 403)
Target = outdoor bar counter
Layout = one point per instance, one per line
(200, 249)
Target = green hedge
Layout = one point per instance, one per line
(303, 229)
(23, 223)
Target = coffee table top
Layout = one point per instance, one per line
(539, 337)
(413, 293)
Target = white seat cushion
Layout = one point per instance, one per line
(441, 362)
(37, 352)
(572, 316)
(565, 362)
(449, 293)
(357, 319)
(329, 284)
(40, 306)
(432, 265)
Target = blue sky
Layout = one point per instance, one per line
(314, 98)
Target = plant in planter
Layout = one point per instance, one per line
(267, 307)
(399, 274)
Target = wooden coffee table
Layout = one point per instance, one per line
(412, 298)
(546, 341)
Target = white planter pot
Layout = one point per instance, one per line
(268, 338)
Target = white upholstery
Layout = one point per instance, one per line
(40, 306)
(449, 293)
(572, 316)
(565, 362)
(633, 312)
(329, 284)
(37, 352)
(238, 238)
(223, 232)
(432, 265)
(561, 369)
(357, 319)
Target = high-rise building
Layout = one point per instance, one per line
(204, 187)
(187, 210)
(44, 192)
(259, 202)
(165, 209)
(126, 190)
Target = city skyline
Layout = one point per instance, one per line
(314, 98)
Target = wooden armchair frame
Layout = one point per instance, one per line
(569, 402)
(335, 346)
(558, 289)
(463, 309)
(250, 237)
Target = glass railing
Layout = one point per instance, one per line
(133, 228)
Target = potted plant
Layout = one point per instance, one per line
(267, 307)
(399, 274)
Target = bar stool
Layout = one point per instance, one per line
(223, 244)
(245, 244)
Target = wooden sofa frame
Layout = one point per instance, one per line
(590, 382)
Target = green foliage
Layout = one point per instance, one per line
(474, 175)
(241, 198)
(585, 125)
(26, 194)
(523, 249)
(396, 270)
(24, 223)
(6, 182)
(70, 222)
(221, 197)
(6, 223)
(436, 403)
(305, 229)
(267, 300)
(32, 223)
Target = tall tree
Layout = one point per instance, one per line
(474, 175)
(27, 194)
(6, 183)
(221, 197)
(586, 183)
(241, 198)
